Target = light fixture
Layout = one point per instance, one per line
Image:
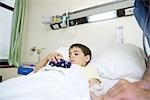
(102, 16)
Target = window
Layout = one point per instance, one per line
(6, 12)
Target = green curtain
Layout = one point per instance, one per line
(17, 32)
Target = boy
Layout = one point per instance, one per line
(81, 55)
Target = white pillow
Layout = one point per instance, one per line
(116, 61)
(122, 61)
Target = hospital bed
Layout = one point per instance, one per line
(125, 61)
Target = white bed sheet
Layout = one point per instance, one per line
(59, 84)
(116, 62)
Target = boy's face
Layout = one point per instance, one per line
(76, 56)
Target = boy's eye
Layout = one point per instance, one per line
(76, 54)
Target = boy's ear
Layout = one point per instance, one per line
(87, 58)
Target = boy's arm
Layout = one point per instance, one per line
(95, 97)
(92, 85)
(50, 57)
(41, 64)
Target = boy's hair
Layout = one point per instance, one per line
(84, 49)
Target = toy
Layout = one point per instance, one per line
(61, 63)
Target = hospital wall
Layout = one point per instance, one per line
(92, 34)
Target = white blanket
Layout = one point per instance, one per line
(67, 84)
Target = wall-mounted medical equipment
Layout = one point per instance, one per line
(56, 22)
(112, 9)
(119, 35)
(38, 51)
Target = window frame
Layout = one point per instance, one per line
(4, 62)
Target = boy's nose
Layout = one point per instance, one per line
(71, 58)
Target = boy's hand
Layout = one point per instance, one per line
(55, 57)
